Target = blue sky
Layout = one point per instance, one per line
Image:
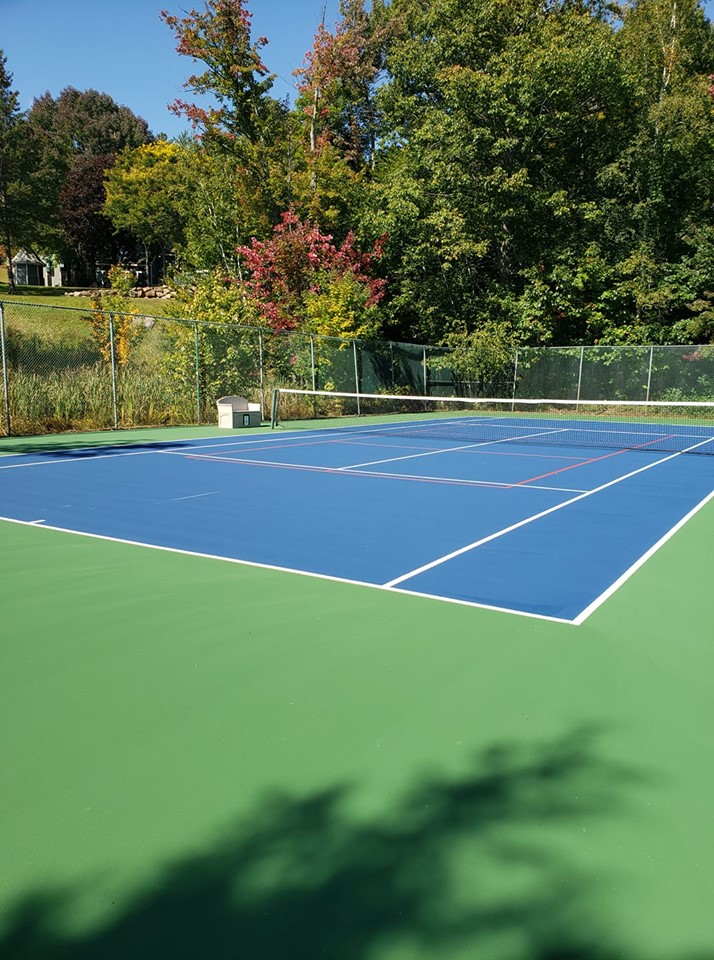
(125, 50)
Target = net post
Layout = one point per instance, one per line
(262, 374)
(649, 374)
(198, 378)
(274, 408)
(354, 352)
(5, 377)
(112, 356)
(314, 375)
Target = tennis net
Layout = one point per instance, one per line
(686, 427)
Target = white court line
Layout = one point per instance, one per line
(606, 594)
(85, 453)
(310, 468)
(195, 496)
(274, 567)
(544, 513)
(431, 453)
(89, 456)
(53, 460)
(331, 434)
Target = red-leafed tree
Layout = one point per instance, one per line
(235, 75)
(300, 262)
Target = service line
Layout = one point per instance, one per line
(537, 516)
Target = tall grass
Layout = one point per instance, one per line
(81, 399)
(59, 380)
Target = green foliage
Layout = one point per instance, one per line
(221, 210)
(226, 352)
(531, 166)
(21, 204)
(113, 319)
(338, 306)
(72, 130)
(544, 167)
(144, 192)
(482, 361)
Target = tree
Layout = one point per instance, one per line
(252, 128)
(221, 211)
(339, 81)
(87, 122)
(113, 320)
(483, 360)
(299, 265)
(87, 230)
(661, 183)
(225, 349)
(497, 120)
(531, 170)
(145, 194)
(235, 74)
(77, 124)
(20, 203)
(339, 116)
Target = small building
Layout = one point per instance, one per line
(28, 269)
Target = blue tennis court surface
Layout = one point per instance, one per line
(546, 531)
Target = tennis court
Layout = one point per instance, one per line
(378, 688)
(515, 521)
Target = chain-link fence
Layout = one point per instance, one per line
(616, 373)
(68, 368)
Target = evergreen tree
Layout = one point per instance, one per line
(20, 201)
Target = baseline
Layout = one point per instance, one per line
(41, 525)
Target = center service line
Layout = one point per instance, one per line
(537, 516)
(466, 446)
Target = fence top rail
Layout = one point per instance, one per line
(166, 318)
(268, 331)
(588, 347)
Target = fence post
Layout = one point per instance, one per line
(114, 371)
(312, 361)
(515, 381)
(5, 377)
(426, 381)
(198, 373)
(580, 371)
(649, 375)
(354, 352)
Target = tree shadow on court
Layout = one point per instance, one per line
(462, 866)
(73, 446)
